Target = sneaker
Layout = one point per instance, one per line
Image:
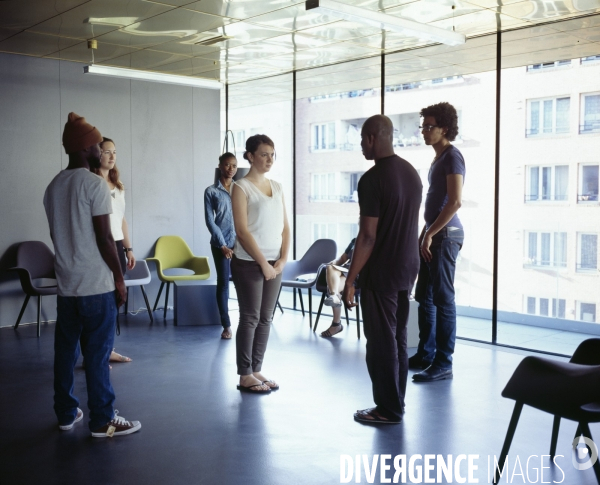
(117, 426)
(78, 417)
(333, 301)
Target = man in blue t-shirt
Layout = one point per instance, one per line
(440, 241)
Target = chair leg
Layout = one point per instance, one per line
(166, 300)
(22, 311)
(301, 301)
(147, 303)
(357, 316)
(554, 439)
(585, 430)
(310, 308)
(39, 312)
(277, 304)
(127, 302)
(347, 319)
(319, 312)
(508, 440)
(158, 296)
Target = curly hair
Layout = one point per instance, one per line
(445, 116)
(254, 142)
(113, 173)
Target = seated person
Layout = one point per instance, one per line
(336, 278)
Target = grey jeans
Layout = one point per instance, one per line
(256, 298)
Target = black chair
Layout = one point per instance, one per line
(321, 286)
(569, 390)
(35, 267)
(322, 251)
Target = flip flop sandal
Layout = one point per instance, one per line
(269, 382)
(327, 333)
(373, 416)
(249, 389)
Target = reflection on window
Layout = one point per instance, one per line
(546, 249)
(588, 183)
(324, 231)
(590, 113)
(558, 307)
(548, 65)
(239, 138)
(323, 136)
(548, 116)
(590, 59)
(587, 257)
(546, 307)
(587, 312)
(547, 183)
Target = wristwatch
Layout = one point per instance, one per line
(128, 249)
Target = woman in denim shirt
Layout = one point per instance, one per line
(219, 220)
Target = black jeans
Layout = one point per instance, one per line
(385, 317)
(222, 265)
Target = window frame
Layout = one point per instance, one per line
(582, 122)
(584, 199)
(579, 268)
(529, 131)
(530, 262)
(328, 127)
(540, 183)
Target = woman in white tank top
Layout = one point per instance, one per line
(259, 255)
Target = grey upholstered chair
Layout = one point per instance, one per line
(569, 390)
(322, 251)
(35, 267)
(139, 276)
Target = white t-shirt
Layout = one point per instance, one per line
(265, 220)
(71, 200)
(118, 212)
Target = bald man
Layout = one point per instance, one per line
(387, 257)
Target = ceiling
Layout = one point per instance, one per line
(271, 37)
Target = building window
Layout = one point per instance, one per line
(323, 187)
(548, 65)
(323, 136)
(559, 307)
(531, 305)
(239, 139)
(544, 303)
(546, 249)
(547, 183)
(587, 254)
(587, 312)
(548, 116)
(590, 113)
(588, 183)
(324, 231)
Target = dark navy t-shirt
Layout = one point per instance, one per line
(450, 163)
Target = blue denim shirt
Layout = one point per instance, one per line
(219, 216)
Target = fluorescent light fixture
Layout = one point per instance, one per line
(152, 76)
(386, 22)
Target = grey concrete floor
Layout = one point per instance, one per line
(198, 429)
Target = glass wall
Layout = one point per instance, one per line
(549, 284)
(423, 77)
(549, 279)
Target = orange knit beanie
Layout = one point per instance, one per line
(79, 134)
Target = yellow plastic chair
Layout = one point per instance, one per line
(173, 252)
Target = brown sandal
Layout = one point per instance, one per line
(327, 333)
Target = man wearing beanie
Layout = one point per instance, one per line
(90, 283)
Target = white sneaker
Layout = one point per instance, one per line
(117, 426)
(333, 301)
(78, 417)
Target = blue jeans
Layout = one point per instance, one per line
(435, 294)
(88, 321)
(222, 265)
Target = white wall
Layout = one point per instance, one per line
(167, 140)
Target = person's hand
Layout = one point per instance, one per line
(120, 292)
(279, 265)
(228, 253)
(425, 245)
(348, 296)
(130, 260)
(268, 271)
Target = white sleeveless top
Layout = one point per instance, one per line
(265, 220)
(117, 198)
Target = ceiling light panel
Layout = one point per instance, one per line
(240, 9)
(342, 30)
(294, 18)
(535, 12)
(171, 25)
(22, 14)
(117, 72)
(427, 11)
(71, 23)
(478, 23)
(32, 44)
